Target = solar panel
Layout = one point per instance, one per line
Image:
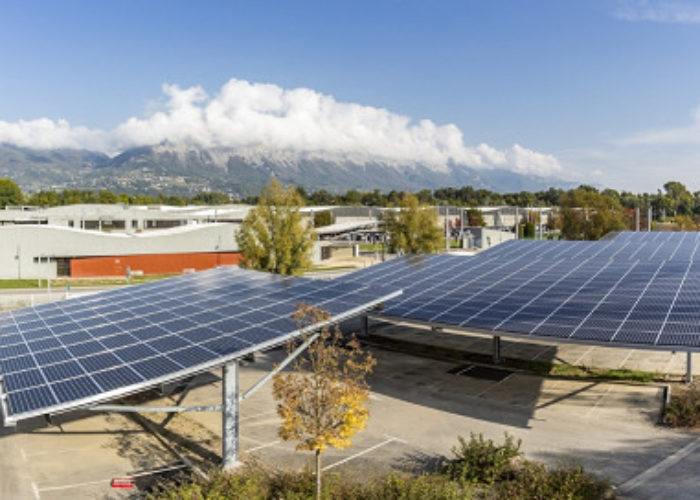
(637, 289)
(63, 355)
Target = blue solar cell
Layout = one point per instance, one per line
(257, 335)
(36, 334)
(61, 371)
(17, 363)
(134, 352)
(53, 356)
(64, 327)
(13, 351)
(100, 361)
(100, 332)
(117, 377)
(200, 334)
(177, 325)
(19, 380)
(85, 348)
(75, 389)
(31, 399)
(226, 345)
(169, 343)
(156, 367)
(117, 341)
(192, 356)
(44, 344)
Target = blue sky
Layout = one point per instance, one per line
(606, 89)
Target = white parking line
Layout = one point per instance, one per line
(494, 385)
(580, 358)
(600, 400)
(56, 452)
(74, 485)
(35, 490)
(665, 464)
(356, 455)
(266, 445)
(256, 415)
(622, 363)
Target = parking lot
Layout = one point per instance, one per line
(418, 408)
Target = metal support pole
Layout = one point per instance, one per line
(496, 350)
(364, 329)
(689, 367)
(229, 416)
(649, 214)
(447, 231)
(517, 224)
(636, 219)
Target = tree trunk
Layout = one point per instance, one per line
(318, 474)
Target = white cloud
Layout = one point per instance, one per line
(43, 133)
(658, 11)
(684, 135)
(257, 116)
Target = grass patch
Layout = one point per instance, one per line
(18, 284)
(589, 373)
(371, 247)
(331, 268)
(684, 408)
(60, 283)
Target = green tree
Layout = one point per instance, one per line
(681, 200)
(323, 218)
(475, 217)
(415, 228)
(211, 198)
(274, 236)
(322, 402)
(587, 214)
(10, 193)
(685, 223)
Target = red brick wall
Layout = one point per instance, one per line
(89, 267)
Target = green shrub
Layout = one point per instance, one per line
(396, 487)
(684, 408)
(534, 481)
(219, 486)
(481, 460)
(323, 218)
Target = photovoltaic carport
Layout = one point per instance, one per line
(638, 290)
(81, 352)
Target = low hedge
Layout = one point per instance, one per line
(479, 469)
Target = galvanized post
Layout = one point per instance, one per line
(447, 229)
(517, 224)
(364, 330)
(636, 219)
(229, 415)
(496, 350)
(649, 215)
(689, 367)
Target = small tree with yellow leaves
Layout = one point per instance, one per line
(322, 402)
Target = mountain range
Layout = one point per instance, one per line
(186, 170)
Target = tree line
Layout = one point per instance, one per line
(671, 201)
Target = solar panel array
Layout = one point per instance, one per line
(65, 354)
(638, 289)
